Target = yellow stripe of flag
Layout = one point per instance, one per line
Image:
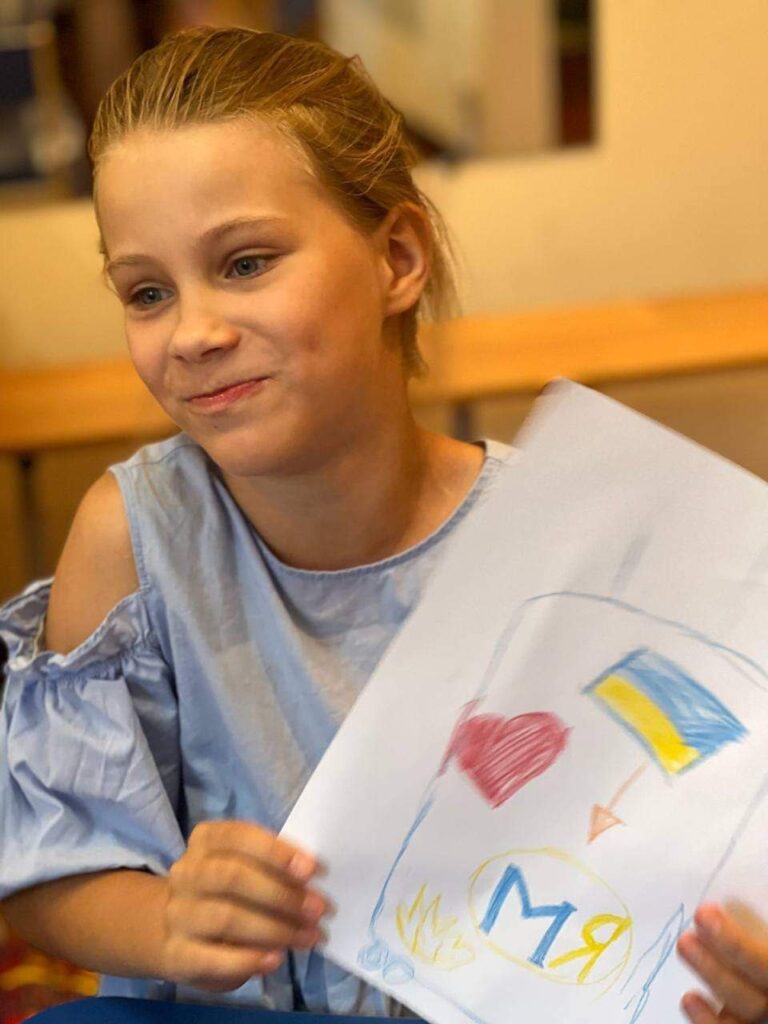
(647, 719)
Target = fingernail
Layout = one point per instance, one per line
(688, 1005)
(690, 949)
(301, 866)
(313, 906)
(271, 961)
(709, 920)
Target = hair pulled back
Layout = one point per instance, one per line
(353, 137)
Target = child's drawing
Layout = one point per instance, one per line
(658, 703)
(577, 770)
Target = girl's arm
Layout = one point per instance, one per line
(237, 898)
(136, 925)
(110, 922)
(232, 905)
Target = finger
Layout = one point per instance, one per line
(250, 840)
(217, 967)
(245, 881)
(221, 921)
(728, 940)
(700, 1011)
(738, 996)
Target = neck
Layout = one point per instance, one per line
(363, 502)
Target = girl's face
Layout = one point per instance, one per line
(256, 314)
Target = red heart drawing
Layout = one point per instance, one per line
(501, 755)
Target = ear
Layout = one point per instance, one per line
(405, 245)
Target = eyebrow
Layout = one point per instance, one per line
(214, 234)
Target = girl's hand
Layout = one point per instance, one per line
(733, 961)
(237, 900)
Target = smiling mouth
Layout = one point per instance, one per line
(228, 395)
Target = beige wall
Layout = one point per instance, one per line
(672, 198)
(54, 304)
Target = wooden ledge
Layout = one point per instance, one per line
(469, 359)
(519, 353)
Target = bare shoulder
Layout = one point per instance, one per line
(96, 568)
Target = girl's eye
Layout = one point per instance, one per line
(143, 298)
(247, 266)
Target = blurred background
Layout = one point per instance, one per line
(485, 77)
(602, 166)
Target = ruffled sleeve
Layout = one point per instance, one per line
(89, 752)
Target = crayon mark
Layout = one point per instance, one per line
(650, 963)
(602, 817)
(590, 926)
(501, 755)
(434, 939)
(594, 946)
(559, 912)
(678, 721)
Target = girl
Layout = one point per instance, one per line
(224, 595)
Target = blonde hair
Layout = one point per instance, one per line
(353, 137)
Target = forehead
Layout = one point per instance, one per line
(185, 177)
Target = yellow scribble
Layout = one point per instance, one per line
(593, 948)
(640, 712)
(428, 937)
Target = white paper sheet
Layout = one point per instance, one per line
(564, 750)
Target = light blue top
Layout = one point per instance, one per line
(210, 693)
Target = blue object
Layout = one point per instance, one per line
(211, 692)
(703, 723)
(150, 1011)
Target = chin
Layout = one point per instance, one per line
(258, 453)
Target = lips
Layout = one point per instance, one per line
(226, 395)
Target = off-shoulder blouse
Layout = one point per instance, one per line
(211, 692)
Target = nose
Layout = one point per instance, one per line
(201, 330)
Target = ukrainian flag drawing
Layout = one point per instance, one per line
(679, 721)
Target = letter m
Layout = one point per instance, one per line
(559, 912)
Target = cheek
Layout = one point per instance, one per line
(339, 308)
(313, 332)
(146, 355)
